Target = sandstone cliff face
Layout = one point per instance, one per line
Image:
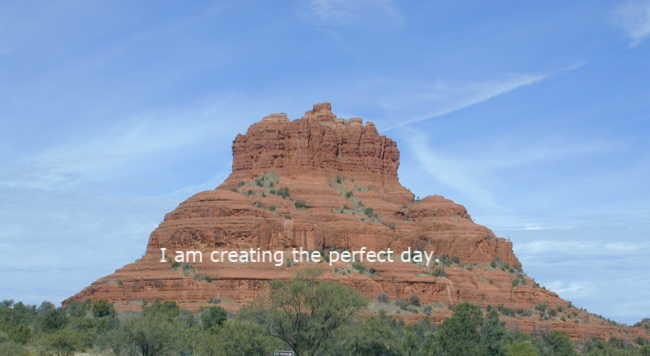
(325, 183)
(320, 143)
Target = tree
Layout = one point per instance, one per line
(377, 335)
(64, 342)
(168, 309)
(18, 333)
(237, 338)
(421, 338)
(150, 335)
(157, 331)
(213, 317)
(521, 348)
(44, 307)
(53, 319)
(14, 322)
(102, 308)
(460, 335)
(13, 349)
(305, 312)
(645, 350)
(559, 343)
(76, 309)
(493, 333)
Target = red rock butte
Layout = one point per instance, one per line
(324, 183)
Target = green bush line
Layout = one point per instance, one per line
(308, 315)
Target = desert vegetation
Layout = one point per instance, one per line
(307, 315)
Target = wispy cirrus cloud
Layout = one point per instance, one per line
(571, 289)
(450, 171)
(446, 97)
(443, 97)
(117, 151)
(634, 18)
(583, 248)
(516, 223)
(477, 174)
(340, 13)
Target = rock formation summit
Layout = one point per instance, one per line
(322, 183)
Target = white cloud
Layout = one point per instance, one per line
(554, 247)
(449, 97)
(333, 12)
(111, 152)
(570, 289)
(185, 192)
(478, 173)
(623, 248)
(450, 171)
(444, 97)
(338, 13)
(634, 18)
(510, 222)
(575, 248)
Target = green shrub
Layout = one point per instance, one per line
(78, 309)
(414, 300)
(559, 343)
(187, 268)
(102, 308)
(506, 311)
(383, 298)
(359, 267)
(52, 320)
(202, 278)
(428, 310)
(370, 213)
(213, 317)
(283, 192)
(13, 349)
(402, 304)
(64, 342)
(439, 272)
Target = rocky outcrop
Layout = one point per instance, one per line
(322, 183)
(320, 143)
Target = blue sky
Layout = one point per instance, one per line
(534, 115)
